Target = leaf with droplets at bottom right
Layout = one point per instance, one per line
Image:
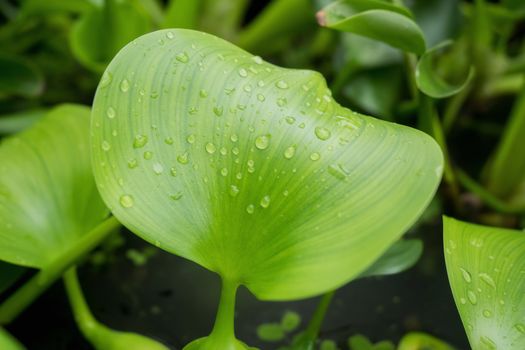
(250, 169)
(486, 271)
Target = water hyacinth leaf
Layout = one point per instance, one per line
(48, 195)
(485, 268)
(376, 20)
(401, 256)
(252, 170)
(429, 81)
(18, 121)
(422, 341)
(8, 342)
(98, 35)
(19, 77)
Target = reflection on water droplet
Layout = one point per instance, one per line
(281, 84)
(234, 191)
(210, 148)
(257, 59)
(262, 142)
(182, 57)
(472, 297)
(265, 201)
(466, 275)
(110, 112)
(289, 152)
(169, 35)
(126, 201)
(322, 133)
(140, 141)
(250, 208)
(158, 168)
(124, 85)
(315, 156)
(485, 277)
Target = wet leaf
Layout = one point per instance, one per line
(485, 268)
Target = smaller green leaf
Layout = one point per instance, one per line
(428, 80)
(422, 341)
(328, 345)
(359, 342)
(19, 77)
(18, 121)
(377, 20)
(401, 256)
(271, 332)
(485, 268)
(290, 321)
(8, 342)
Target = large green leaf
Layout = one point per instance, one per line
(7, 342)
(252, 170)
(377, 20)
(48, 198)
(485, 267)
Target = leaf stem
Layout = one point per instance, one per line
(223, 330)
(26, 294)
(310, 335)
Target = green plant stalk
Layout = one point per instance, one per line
(280, 18)
(311, 333)
(26, 294)
(83, 316)
(503, 85)
(223, 331)
(410, 64)
(453, 107)
(505, 171)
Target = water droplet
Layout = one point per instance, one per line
(124, 85)
(520, 327)
(235, 150)
(190, 139)
(126, 201)
(265, 202)
(322, 133)
(218, 111)
(140, 141)
(463, 301)
(487, 279)
(158, 168)
(472, 297)
(132, 163)
(111, 112)
(106, 79)
(170, 35)
(250, 208)
(168, 140)
(488, 342)
(105, 146)
(315, 156)
(224, 151)
(257, 59)
(247, 88)
(234, 191)
(289, 152)
(183, 158)
(281, 84)
(290, 120)
(234, 138)
(182, 57)
(203, 93)
(261, 97)
(224, 172)
(487, 313)
(243, 73)
(338, 171)
(281, 102)
(173, 171)
(262, 142)
(210, 148)
(466, 275)
(176, 196)
(148, 155)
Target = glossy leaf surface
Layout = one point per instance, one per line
(252, 170)
(377, 20)
(48, 195)
(485, 268)
(401, 256)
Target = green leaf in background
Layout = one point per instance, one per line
(360, 342)
(19, 77)
(401, 256)
(48, 7)
(8, 342)
(377, 20)
(18, 121)
(422, 341)
(252, 170)
(98, 35)
(428, 79)
(48, 198)
(485, 268)
(439, 20)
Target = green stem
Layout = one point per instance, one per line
(410, 64)
(314, 326)
(83, 316)
(223, 330)
(453, 107)
(26, 294)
